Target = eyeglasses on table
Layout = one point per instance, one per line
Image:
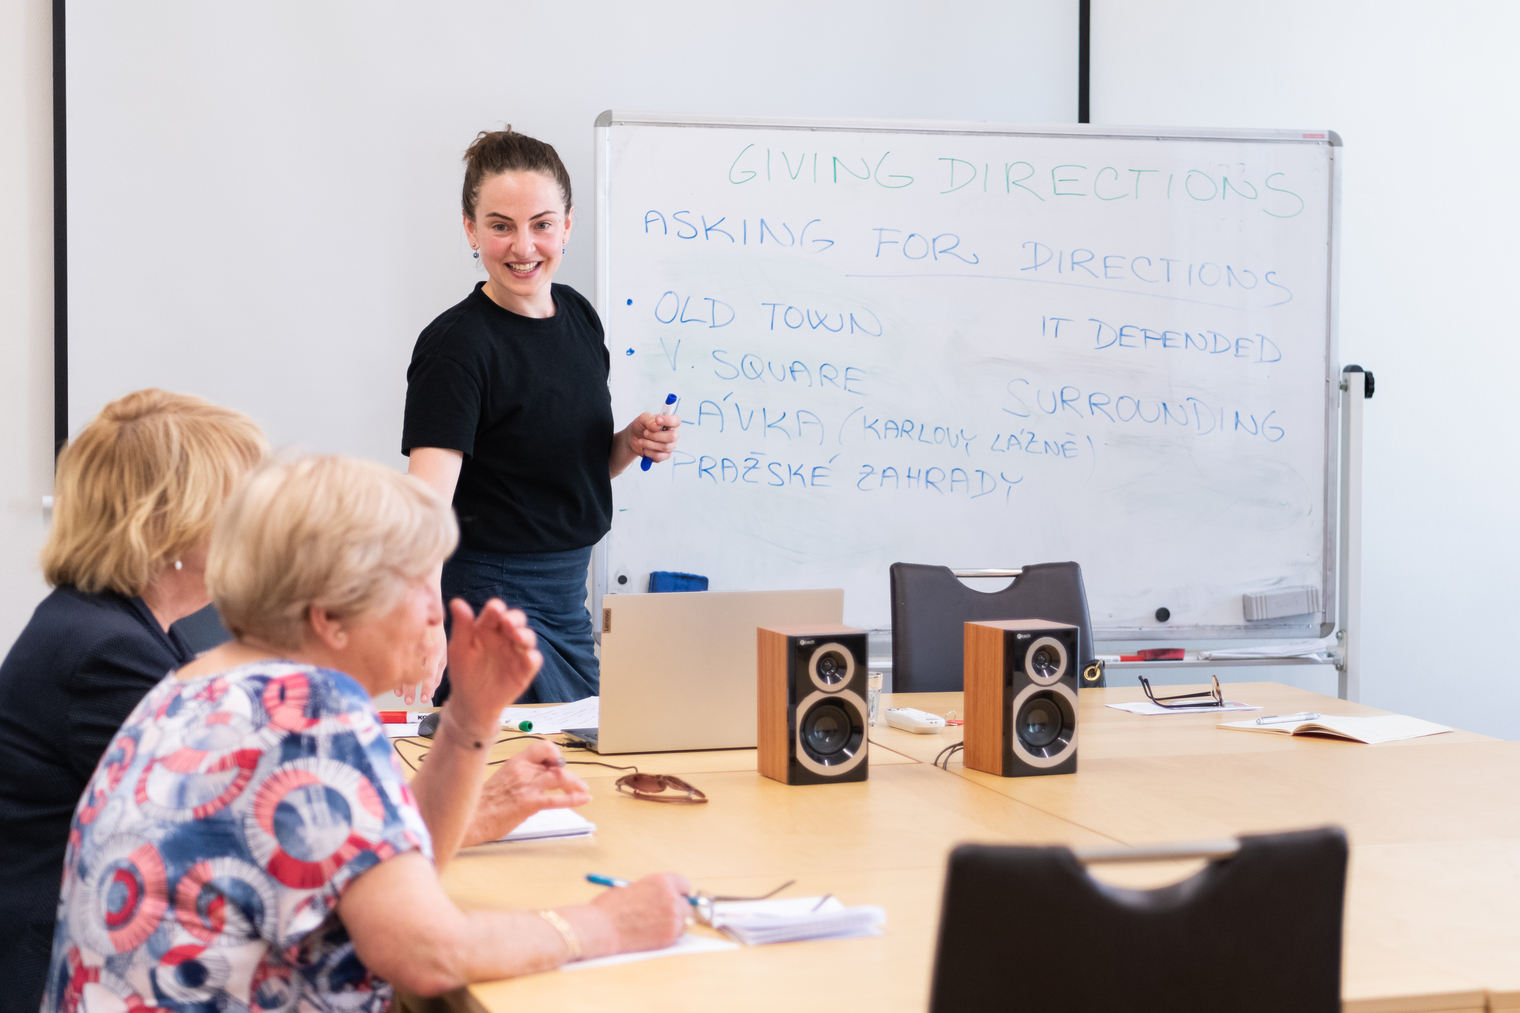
(1208, 698)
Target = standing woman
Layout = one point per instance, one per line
(509, 417)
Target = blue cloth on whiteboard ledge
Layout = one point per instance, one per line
(669, 580)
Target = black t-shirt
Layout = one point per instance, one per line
(526, 401)
(70, 680)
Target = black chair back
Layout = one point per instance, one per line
(1029, 929)
(930, 608)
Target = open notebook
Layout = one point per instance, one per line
(1372, 730)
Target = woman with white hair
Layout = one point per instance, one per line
(248, 839)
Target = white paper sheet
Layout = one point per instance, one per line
(1146, 707)
(401, 731)
(552, 720)
(688, 943)
(547, 823)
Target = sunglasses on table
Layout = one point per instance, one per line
(1208, 698)
(654, 788)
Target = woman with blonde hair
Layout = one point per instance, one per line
(135, 498)
(248, 839)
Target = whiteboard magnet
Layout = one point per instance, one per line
(1163, 614)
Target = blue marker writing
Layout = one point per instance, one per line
(670, 399)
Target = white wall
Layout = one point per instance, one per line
(283, 177)
(26, 303)
(1424, 97)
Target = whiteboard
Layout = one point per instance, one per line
(977, 346)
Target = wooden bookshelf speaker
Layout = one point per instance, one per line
(1021, 697)
(813, 720)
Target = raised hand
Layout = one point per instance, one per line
(492, 658)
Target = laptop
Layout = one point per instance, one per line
(679, 669)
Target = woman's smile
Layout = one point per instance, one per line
(520, 227)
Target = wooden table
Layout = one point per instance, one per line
(1433, 901)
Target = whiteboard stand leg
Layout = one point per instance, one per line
(1353, 397)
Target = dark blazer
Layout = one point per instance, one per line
(71, 678)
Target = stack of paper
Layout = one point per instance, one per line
(548, 823)
(585, 713)
(1298, 649)
(756, 922)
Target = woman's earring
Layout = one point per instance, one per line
(475, 254)
(561, 251)
(179, 564)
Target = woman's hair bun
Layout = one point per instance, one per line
(494, 152)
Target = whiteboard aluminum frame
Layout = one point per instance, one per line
(1329, 591)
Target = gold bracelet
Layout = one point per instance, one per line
(572, 941)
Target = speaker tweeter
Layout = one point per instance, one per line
(813, 721)
(1021, 697)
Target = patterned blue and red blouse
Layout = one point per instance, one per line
(209, 851)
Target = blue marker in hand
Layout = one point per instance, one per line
(670, 399)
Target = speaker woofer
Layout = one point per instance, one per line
(831, 667)
(831, 732)
(1044, 724)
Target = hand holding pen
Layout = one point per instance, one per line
(648, 913)
(671, 422)
(617, 883)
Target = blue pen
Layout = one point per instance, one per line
(613, 881)
(645, 464)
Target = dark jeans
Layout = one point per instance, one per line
(550, 587)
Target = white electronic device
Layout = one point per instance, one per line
(910, 719)
(678, 668)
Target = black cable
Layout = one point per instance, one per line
(947, 754)
(597, 763)
(404, 759)
(511, 738)
(421, 740)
